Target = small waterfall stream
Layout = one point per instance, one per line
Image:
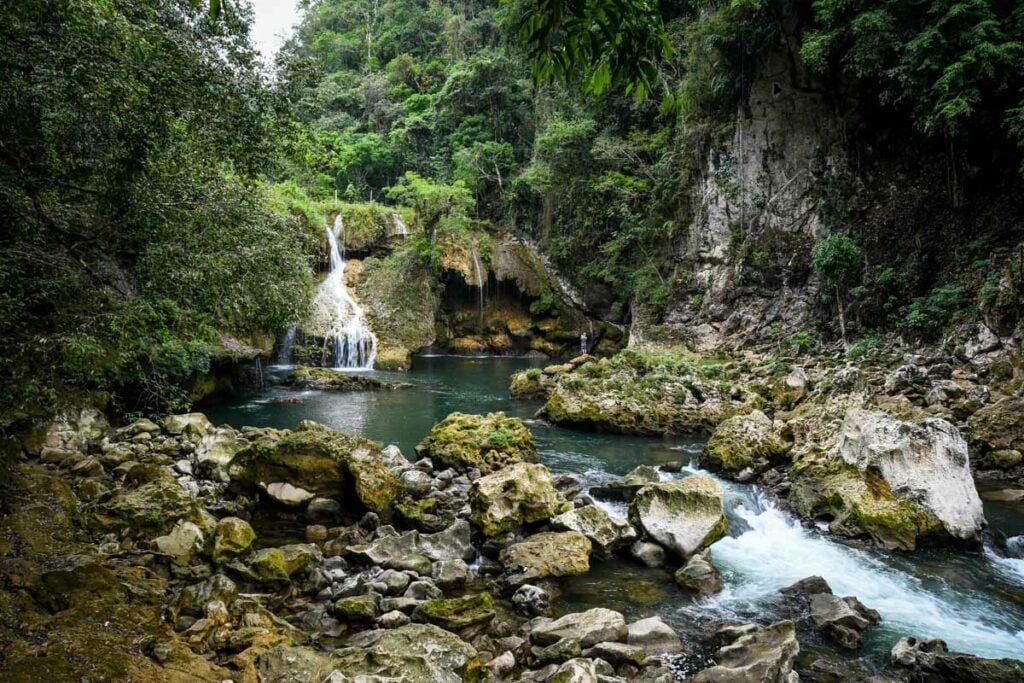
(354, 345)
(400, 228)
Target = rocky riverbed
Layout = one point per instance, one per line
(174, 549)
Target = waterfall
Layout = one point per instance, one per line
(400, 229)
(354, 345)
(284, 354)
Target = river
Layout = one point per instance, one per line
(973, 601)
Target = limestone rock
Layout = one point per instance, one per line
(278, 564)
(589, 628)
(194, 426)
(699, 575)
(320, 461)
(547, 554)
(232, 538)
(926, 463)
(744, 442)
(685, 516)
(842, 619)
(790, 390)
(764, 655)
(456, 613)
(603, 530)
(654, 636)
(451, 544)
(516, 495)
(625, 488)
(484, 442)
(184, 542)
(415, 653)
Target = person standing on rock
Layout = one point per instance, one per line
(583, 343)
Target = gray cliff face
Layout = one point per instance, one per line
(756, 215)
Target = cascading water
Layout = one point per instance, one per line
(400, 229)
(354, 345)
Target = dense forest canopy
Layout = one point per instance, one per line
(150, 165)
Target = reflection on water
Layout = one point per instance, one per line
(974, 601)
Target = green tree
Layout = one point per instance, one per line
(837, 260)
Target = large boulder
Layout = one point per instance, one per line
(76, 430)
(483, 442)
(233, 537)
(151, 502)
(745, 443)
(654, 636)
(327, 379)
(193, 426)
(603, 530)
(516, 495)
(755, 655)
(414, 653)
(647, 392)
(685, 515)
(320, 461)
(547, 554)
(842, 619)
(926, 463)
(594, 626)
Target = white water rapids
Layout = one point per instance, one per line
(354, 345)
(773, 550)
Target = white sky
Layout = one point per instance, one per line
(274, 20)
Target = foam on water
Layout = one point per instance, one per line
(776, 551)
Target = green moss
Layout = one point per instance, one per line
(456, 613)
(485, 442)
(358, 608)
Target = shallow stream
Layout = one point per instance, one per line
(973, 601)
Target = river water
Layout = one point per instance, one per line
(973, 601)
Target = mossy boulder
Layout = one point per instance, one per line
(278, 564)
(323, 462)
(858, 504)
(520, 494)
(456, 613)
(745, 442)
(603, 530)
(529, 384)
(565, 553)
(484, 442)
(356, 608)
(233, 537)
(327, 379)
(648, 392)
(685, 516)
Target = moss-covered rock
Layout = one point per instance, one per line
(356, 608)
(685, 516)
(232, 538)
(648, 392)
(745, 442)
(327, 379)
(400, 297)
(520, 494)
(529, 384)
(456, 613)
(321, 461)
(484, 442)
(565, 553)
(278, 564)
(855, 504)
